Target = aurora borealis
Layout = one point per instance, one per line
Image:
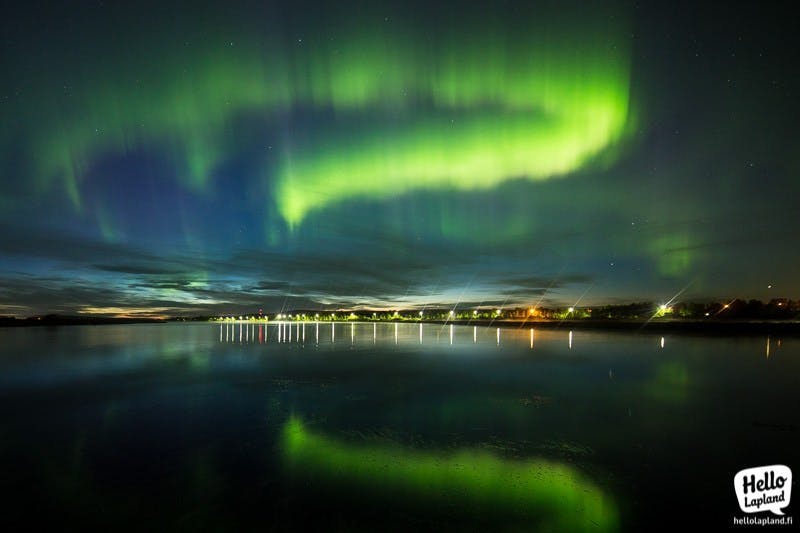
(557, 496)
(192, 157)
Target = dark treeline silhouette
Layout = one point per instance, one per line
(736, 309)
(65, 320)
(778, 309)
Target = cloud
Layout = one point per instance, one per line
(148, 270)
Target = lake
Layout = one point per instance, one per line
(201, 426)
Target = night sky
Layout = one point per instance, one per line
(173, 158)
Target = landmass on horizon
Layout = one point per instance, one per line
(779, 315)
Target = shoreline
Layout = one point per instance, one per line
(703, 327)
(12, 322)
(730, 328)
(688, 326)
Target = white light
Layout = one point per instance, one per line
(571, 310)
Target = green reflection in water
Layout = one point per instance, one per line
(555, 496)
(671, 382)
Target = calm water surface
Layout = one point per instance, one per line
(383, 426)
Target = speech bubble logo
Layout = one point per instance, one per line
(764, 488)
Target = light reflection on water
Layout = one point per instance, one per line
(122, 418)
(375, 333)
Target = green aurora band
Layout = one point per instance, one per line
(390, 105)
(554, 496)
(535, 109)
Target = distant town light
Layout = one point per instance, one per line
(571, 310)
